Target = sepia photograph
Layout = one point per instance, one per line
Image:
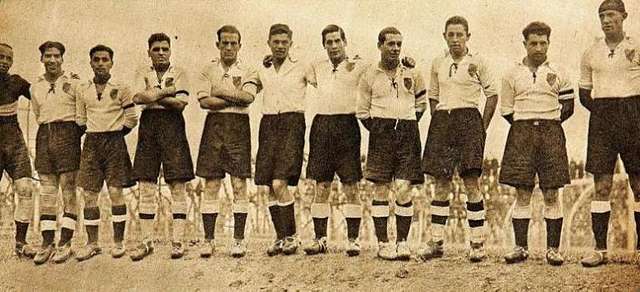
(354, 145)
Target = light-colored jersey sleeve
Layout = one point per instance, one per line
(434, 86)
(363, 105)
(420, 92)
(130, 113)
(507, 95)
(487, 79)
(586, 72)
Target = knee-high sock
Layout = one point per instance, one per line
(68, 228)
(119, 221)
(353, 216)
(380, 214)
(91, 223)
(209, 210)
(600, 214)
(520, 219)
(320, 214)
(240, 211)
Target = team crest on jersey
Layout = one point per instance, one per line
(350, 66)
(113, 93)
(169, 82)
(237, 81)
(472, 70)
(552, 78)
(66, 87)
(631, 55)
(408, 83)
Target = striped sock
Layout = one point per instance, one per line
(404, 215)
(68, 228)
(475, 217)
(119, 221)
(439, 216)
(91, 223)
(380, 214)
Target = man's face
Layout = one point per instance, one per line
(390, 49)
(160, 52)
(611, 21)
(279, 44)
(101, 63)
(456, 37)
(537, 46)
(335, 45)
(229, 45)
(6, 59)
(52, 60)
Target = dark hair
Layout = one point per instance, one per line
(280, 28)
(6, 46)
(158, 37)
(457, 20)
(228, 29)
(50, 44)
(332, 28)
(382, 36)
(536, 27)
(101, 48)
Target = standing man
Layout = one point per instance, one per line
(457, 133)
(281, 134)
(391, 101)
(225, 146)
(105, 108)
(536, 98)
(610, 90)
(335, 138)
(14, 155)
(57, 150)
(162, 141)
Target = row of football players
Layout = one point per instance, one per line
(388, 97)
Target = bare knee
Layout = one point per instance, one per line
(523, 196)
(381, 192)
(443, 189)
(351, 192)
(239, 188)
(404, 191)
(116, 196)
(323, 189)
(178, 191)
(603, 183)
(90, 199)
(550, 197)
(472, 187)
(212, 189)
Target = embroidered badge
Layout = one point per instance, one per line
(551, 78)
(74, 76)
(169, 82)
(408, 83)
(237, 81)
(66, 87)
(472, 70)
(113, 93)
(350, 66)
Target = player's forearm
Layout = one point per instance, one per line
(130, 117)
(585, 98)
(172, 103)
(432, 105)
(567, 109)
(153, 95)
(233, 96)
(489, 110)
(213, 103)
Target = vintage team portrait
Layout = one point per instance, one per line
(319, 145)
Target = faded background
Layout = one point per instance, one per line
(495, 28)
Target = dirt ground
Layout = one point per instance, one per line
(334, 271)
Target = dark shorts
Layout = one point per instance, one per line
(162, 140)
(104, 159)
(455, 140)
(394, 151)
(58, 148)
(614, 128)
(535, 147)
(280, 148)
(14, 155)
(334, 148)
(225, 146)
